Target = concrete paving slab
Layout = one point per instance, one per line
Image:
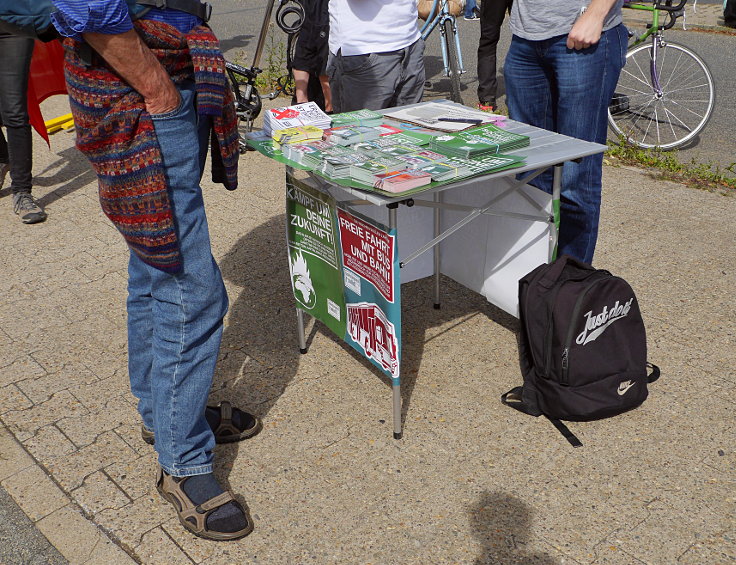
(471, 482)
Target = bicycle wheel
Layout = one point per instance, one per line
(667, 115)
(452, 59)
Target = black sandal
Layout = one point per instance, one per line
(194, 516)
(226, 431)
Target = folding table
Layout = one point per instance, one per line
(484, 232)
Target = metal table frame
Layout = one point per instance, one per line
(546, 150)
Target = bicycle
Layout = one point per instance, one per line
(248, 101)
(452, 58)
(665, 94)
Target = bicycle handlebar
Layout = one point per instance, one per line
(673, 12)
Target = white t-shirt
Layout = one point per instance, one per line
(372, 26)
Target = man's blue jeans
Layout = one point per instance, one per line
(568, 91)
(175, 321)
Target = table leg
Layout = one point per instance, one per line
(396, 382)
(300, 331)
(556, 188)
(437, 266)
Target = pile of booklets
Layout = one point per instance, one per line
(397, 160)
(340, 166)
(399, 181)
(299, 134)
(478, 142)
(366, 171)
(307, 114)
(357, 118)
(437, 165)
(310, 154)
(349, 135)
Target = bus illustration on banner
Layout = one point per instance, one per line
(369, 327)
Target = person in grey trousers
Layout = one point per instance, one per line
(376, 54)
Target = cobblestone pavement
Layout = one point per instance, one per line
(471, 482)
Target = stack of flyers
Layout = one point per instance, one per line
(367, 148)
(403, 137)
(486, 165)
(357, 118)
(364, 172)
(339, 166)
(299, 134)
(348, 135)
(418, 159)
(398, 150)
(436, 165)
(307, 114)
(399, 181)
(308, 154)
(444, 171)
(385, 129)
(477, 142)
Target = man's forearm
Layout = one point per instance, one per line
(138, 66)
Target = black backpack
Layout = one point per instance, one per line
(582, 345)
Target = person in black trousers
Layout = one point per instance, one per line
(492, 13)
(729, 13)
(16, 154)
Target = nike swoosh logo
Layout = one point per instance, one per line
(624, 387)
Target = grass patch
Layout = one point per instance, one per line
(274, 76)
(665, 165)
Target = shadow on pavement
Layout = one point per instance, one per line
(69, 173)
(259, 354)
(502, 525)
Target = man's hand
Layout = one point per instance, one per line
(589, 26)
(138, 66)
(586, 32)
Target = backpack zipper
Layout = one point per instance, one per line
(550, 328)
(564, 377)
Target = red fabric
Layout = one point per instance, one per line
(46, 79)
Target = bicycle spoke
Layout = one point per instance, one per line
(699, 116)
(633, 76)
(683, 124)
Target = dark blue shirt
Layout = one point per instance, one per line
(75, 17)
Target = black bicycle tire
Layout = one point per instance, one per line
(453, 61)
(697, 129)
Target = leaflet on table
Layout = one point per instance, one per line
(347, 167)
(479, 141)
(429, 115)
(306, 114)
(344, 272)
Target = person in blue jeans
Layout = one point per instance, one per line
(564, 83)
(471, 9)
(137, 119)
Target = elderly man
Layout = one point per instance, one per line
(147, 96)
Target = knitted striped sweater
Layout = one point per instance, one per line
(116, 133)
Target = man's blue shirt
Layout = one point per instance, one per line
(75, 17)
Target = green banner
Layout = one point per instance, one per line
(314, 256)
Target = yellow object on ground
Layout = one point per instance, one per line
(62, 122)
